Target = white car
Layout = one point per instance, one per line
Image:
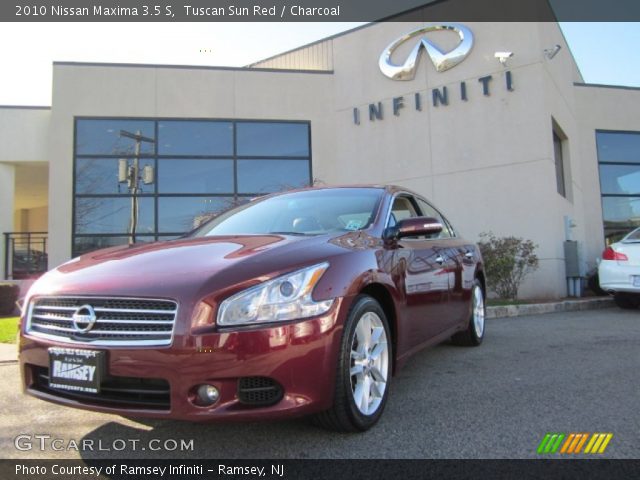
(619, 270)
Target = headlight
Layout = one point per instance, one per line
(284, 298)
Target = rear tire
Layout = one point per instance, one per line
(627, 301)
(363, 371)
(593, 282)
(474, 334)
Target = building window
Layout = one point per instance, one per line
(185, 172)
(559, 150)
(619, 165)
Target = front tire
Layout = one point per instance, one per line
(474, 334)
(627, 301)
(363, 371)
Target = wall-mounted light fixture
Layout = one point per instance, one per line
(552, 52)
(503, 57)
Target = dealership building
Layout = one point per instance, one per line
(492, 122)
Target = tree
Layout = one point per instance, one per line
(507, 261)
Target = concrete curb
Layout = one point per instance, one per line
(8, 353)
(551, 307)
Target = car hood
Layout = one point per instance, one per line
(185, 268)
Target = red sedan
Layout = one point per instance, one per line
(297, 303)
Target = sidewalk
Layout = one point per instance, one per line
(8, 353)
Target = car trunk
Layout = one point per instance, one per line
(631, 250)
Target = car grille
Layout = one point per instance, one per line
(119, 321)
(125, 392)
(259, 391)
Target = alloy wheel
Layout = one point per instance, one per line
(369, 366)
(478, 311)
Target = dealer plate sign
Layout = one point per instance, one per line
(75, 370)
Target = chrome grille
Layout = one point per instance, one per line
(119, 321)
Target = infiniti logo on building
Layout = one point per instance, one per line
(439, 96)
(441, 61)
(84, 318)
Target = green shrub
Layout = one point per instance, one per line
(507, 261)
(8, 296)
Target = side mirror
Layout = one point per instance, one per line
(412, 227)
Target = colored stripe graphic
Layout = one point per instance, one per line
(557, 443)
(572, 443)
(604, 445)
(543, 443)
(550, 443)
(581, 442)
(567, 443)
(577, 437)
(598, 443)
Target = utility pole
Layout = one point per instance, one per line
(133, 180)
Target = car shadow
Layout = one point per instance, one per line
(161, 439)
(284, 439)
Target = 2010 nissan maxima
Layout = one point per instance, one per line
(296, 303)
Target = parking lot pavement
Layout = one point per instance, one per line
(569, 372)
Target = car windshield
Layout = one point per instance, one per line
(633, 237)
(308, 212)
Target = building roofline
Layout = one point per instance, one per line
(191, 67)
(573, 57)
(25, 107)
(604, 85)
(310, 44)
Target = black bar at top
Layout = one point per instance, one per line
(325, 10)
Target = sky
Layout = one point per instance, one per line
(605, 52)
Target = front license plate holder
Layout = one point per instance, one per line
(76, 370)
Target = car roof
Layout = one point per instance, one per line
(391, 189)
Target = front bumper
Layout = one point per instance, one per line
(300, 357)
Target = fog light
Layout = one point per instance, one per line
(208, 394)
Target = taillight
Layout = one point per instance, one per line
(610, 254)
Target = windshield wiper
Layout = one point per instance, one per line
(300, 234)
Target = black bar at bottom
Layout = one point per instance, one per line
(319, 469)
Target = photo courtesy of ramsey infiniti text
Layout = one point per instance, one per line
(298, 303)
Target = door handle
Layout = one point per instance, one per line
(440, 259)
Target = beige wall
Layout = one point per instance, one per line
(23, 134)
(31, 219)
(7, 182)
